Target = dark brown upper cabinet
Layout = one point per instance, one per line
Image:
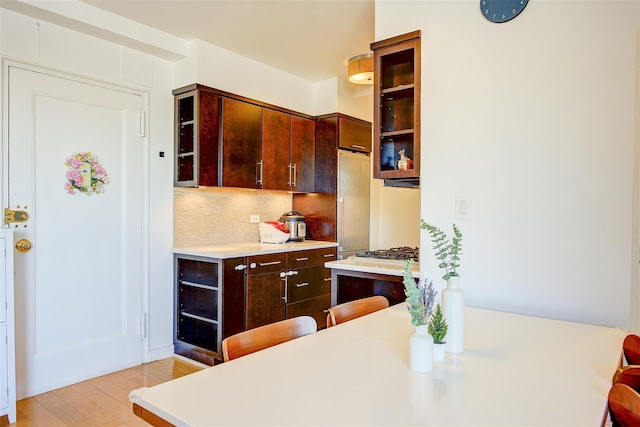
(276, 150)
(303, 154)
(227, 140)
(396, 142)
(196, 138)
(288, 148)
(241, 144)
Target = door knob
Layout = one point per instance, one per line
(23, 245)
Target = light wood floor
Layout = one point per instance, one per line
(102, 401)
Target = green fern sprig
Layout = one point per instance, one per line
(446, 251)
(437, 326)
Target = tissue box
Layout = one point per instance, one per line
(270, 234)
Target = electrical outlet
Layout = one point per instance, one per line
(254, 219)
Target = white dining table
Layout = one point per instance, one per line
(515, 370)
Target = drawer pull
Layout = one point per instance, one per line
(302, 259)
(300, 285)
(328, 279)
(329, 255)
(264, 264)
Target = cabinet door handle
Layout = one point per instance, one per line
(289, 182)
(300, 285)
(286, 287)
(240, 267)
(360, 147)
(264, 264)
(295, 174)
(331, 255)
(259, 172)
(328, 279)
(288, 273)
(302, 259)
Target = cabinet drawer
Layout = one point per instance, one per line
(301, 259)
(354, 135)
(270, 263)
(325, 255)
(308, 283)
(315, 307)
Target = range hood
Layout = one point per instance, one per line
(402, 182)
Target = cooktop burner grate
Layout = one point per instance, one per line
(400, 253)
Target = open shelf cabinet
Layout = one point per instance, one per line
(396, 142)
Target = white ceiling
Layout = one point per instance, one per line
(312, 39)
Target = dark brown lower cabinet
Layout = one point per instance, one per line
(218, 298)
(265, 289)
(309, 293)
(197, 317)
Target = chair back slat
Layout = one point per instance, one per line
(266, 336)
(629, 375)
(631, 349)
(624, 406)
(353, 309)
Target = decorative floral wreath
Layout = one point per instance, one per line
(86, 174)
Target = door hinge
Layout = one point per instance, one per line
(143, 122)
(143, 325)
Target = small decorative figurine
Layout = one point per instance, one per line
(405, 162)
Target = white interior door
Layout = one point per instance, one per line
(78, 290)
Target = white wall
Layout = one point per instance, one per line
(395, 216)
(533, 120)
(222, 69)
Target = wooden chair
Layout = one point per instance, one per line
(631, 349)
(266, 336)
(629, 375)
(350, 310)
(624, 406)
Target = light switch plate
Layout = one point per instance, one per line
(463, 207)
(254, 219)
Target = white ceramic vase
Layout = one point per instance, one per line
(421, 350)
(453, 310)
(439, 351)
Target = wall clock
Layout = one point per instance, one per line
(501, 10)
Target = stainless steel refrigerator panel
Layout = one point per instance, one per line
(354, 177)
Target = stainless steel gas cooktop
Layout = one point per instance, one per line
(399, 253)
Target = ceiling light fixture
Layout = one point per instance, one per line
(360, 69)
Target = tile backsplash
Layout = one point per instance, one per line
(213, 215)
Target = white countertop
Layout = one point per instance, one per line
(373, 265)
(515, 370)
(234, 250)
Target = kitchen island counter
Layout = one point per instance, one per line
(360, 277)
(375, 266)
(234, 250)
